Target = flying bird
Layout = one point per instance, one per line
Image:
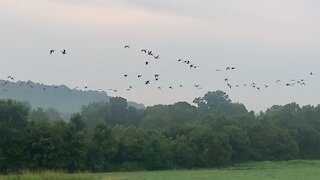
(144, 50)
(156, 57)
(52, 51)
(64, 52)
(127, 46)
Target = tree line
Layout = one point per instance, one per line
(116, 137)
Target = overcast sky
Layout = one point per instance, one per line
(265, 40)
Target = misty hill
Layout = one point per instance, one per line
(61, 97)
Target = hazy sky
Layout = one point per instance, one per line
(265, 39)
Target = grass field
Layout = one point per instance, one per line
(291, 170)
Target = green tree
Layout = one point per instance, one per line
(102, 149)
(13, 141)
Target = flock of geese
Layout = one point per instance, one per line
(156, 76)
(230, 85)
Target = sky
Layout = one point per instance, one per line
(264, 40)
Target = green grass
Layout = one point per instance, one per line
(49, 175)
(289, 170)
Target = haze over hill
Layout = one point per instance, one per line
(60, 97)
(265, 40)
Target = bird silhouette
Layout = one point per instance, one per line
(150, 53)
(156, 57)
(156, 76)
(147, 82)
(147, 62)
(179, 60)
(64, 52)
(126, 75)
(127, 47)
(139, 75)
(144, 50)
(51, 51)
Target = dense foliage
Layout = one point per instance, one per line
(115, 137)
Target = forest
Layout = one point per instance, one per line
(112, 136)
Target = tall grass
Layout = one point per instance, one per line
(50, 175)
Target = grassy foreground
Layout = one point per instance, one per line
(51, 176)
(290, 170)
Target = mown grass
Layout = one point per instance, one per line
(289, 170)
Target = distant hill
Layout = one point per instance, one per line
(61, 97)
